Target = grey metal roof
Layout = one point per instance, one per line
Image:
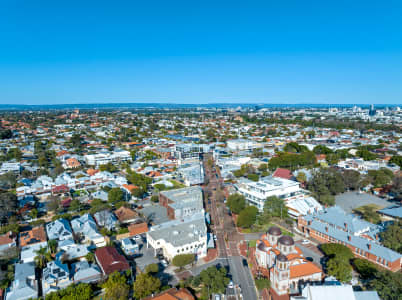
(393, 211)
(180, 233)
(356, 241)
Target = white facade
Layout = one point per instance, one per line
(180, 237)
(256, 193)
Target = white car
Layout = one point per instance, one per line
(137, 237)
(164, 263)
(305, 242)
(215, 238)
(231, 285)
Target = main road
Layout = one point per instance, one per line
(226, 233)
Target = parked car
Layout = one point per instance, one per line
(305, 242)
(231, 285)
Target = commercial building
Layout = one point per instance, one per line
(182, 203)
(180, 237)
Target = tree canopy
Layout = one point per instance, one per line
(116, 287)
(182, 260)
(247, 217)
(236, 203)
(145, 284)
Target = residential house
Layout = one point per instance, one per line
(106, 219)
(59, 230)
(126, 215)
(83, 272)
(86, 226)
(7, 241)
(110, 260)
(24, 285)
(70, 250)
(55, 276)
(172, 294)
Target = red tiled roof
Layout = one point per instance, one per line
(305, 269)
(125, 214)
(283, 173)
(110, 260)
(7, 238)
(140, 228)
(33, 236)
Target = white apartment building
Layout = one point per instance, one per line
(257, 192)
(106, 157)
(240, 144)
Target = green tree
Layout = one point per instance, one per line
(274, 207)
(214, 280)
(42, 257)
(81, 291)
(396, 159)
(339, 268)
(262, 283)
(52, 245)
(352, 179)
(146, 284)
(253, 177)
(388, 285)
(90, 257)
(247, 217)
(116, 287)
(182, 260)
(321, 149)
(301, 177)
(236, 203)
(365, 268)
(115, 195)
(152, 268)
(392, 237)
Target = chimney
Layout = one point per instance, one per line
(309, 223)
(346, 226)
(369, 246)
(349, 238)
(326, 228)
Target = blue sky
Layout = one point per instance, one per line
(201, 51)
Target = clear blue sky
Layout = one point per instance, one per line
(200, 51)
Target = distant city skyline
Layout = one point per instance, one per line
(288, 52)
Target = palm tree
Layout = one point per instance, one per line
(52, 245)
(42, 257)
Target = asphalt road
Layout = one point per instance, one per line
(228, 255)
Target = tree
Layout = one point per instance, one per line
(152, 268)
(247, 217)
(366, 154)
(321, 149)
(253, 177)
(8, 180)
(214, 280)
(295, 148)
(392, 236)
(333, 249)
(380, 177)
(325, 183)
(8, 204)
(274, 207)
(351, 178)
(146, 284)
(33, 213)
(52, 245)
(396, 159)
(108, 167)
(90, 257)
(339, 268)
(368, 213)
(53, 203)
(82, 291)
(396, 188)
(75, 205)
(115, 195)
(42, 257)
(182, 260)
(301, 177)
(236, 203)
(387, 284)
(365, 268)
(263, 167)
(116, 287)
(155, 198)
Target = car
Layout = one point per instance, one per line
(309, 258)
(137, 237)
(305, 242)
(231, 285)
(164, 263)
(215, 238)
